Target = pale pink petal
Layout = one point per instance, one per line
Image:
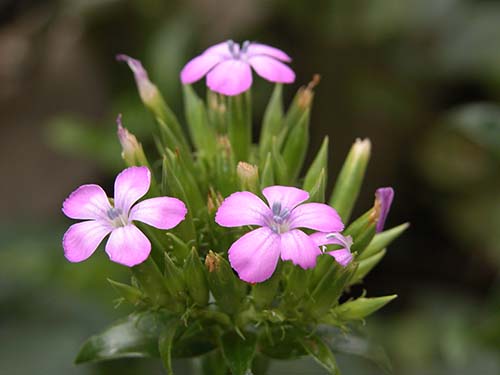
(87, 202)
(272, 69)
(161, 212)
(242, 208)
(198, 67)
(288, 197)
(262, 49)
(317, 216)
(342, 256)
(128, 246)
(299, 248)
(255, 255)
(81, 239)
(135, 65)
(220, 49)
(231, 77)
(130, 185)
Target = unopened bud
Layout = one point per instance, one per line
(361, 307)
(383, 202)
(147, 90)
(306, 94)
(214, 201)
(132, 152)
(248, 176)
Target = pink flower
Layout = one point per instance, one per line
(343, 255)
(126, 245)
(255, 255)
(383, 202)
(227, 66)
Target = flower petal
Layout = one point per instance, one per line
(86, 202)
(342, 256)
(255, 255)
(130, 185)
(128, 246)
(221, 49)
(299, 248)
(272, 69)
(383, 197)
(81, 239)
(262, 49)
(288, 197)
(198, 67)
(161, 212)
(242, 208)
(231, 77)
(317, 216)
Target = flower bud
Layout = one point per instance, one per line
(147, 90)
(350, 178)
(248, 176)
(132, 152)
(196, 279)
(226, 288)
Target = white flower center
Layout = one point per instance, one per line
(117, 217)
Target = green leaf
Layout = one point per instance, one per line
(165, 342)
(366, 265)
(382, 240)
(240, 125)
(131, 294)
(272, 123)
(133, 336)
(267, 178)
(238, 352)
(321, 353)
(361, 307)
(213, 364)
(319, 164)
(317, 193)
(295, 147)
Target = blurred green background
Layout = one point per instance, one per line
(420, 78)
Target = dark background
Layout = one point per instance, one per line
(420, 78)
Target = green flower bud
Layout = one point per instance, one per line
(350, 178)
(174, 279)
(248, 176)
(226, 288)
(195, 277)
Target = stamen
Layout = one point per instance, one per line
(244, 46)
(113, 213)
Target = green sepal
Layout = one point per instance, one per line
(382, 240)
(350, 179)
(202, 133)
(130, 293)
(360, 308)
(174, 279)
(225, 286)
(330, 288)
(151, 281)
(263, 293)
(366, 265)
(134, 336)
(297, 282)
(239, 122)
(238, 352)
(280, 167)
(196, 280)
(295, 147)
(321, 353)
(165, 342)
(272, 122)
(177, 247)
(317, 193)
(319, 164)
(267, 177)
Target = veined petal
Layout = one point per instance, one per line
(81, 239)
(242, 208)
(161, 212)
(342, 256)
(262, 49)
(130, 185)
(128, 246)
(317, 216)
(288, 197)
(230, 77)
(199, 66)
(383, 197)
(272, 69)
(299, 248)
(87, 202)
(255, 255)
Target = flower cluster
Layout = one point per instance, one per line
(231, 248)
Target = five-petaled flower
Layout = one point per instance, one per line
(126, 245)
(255, 255)
(228, 66)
